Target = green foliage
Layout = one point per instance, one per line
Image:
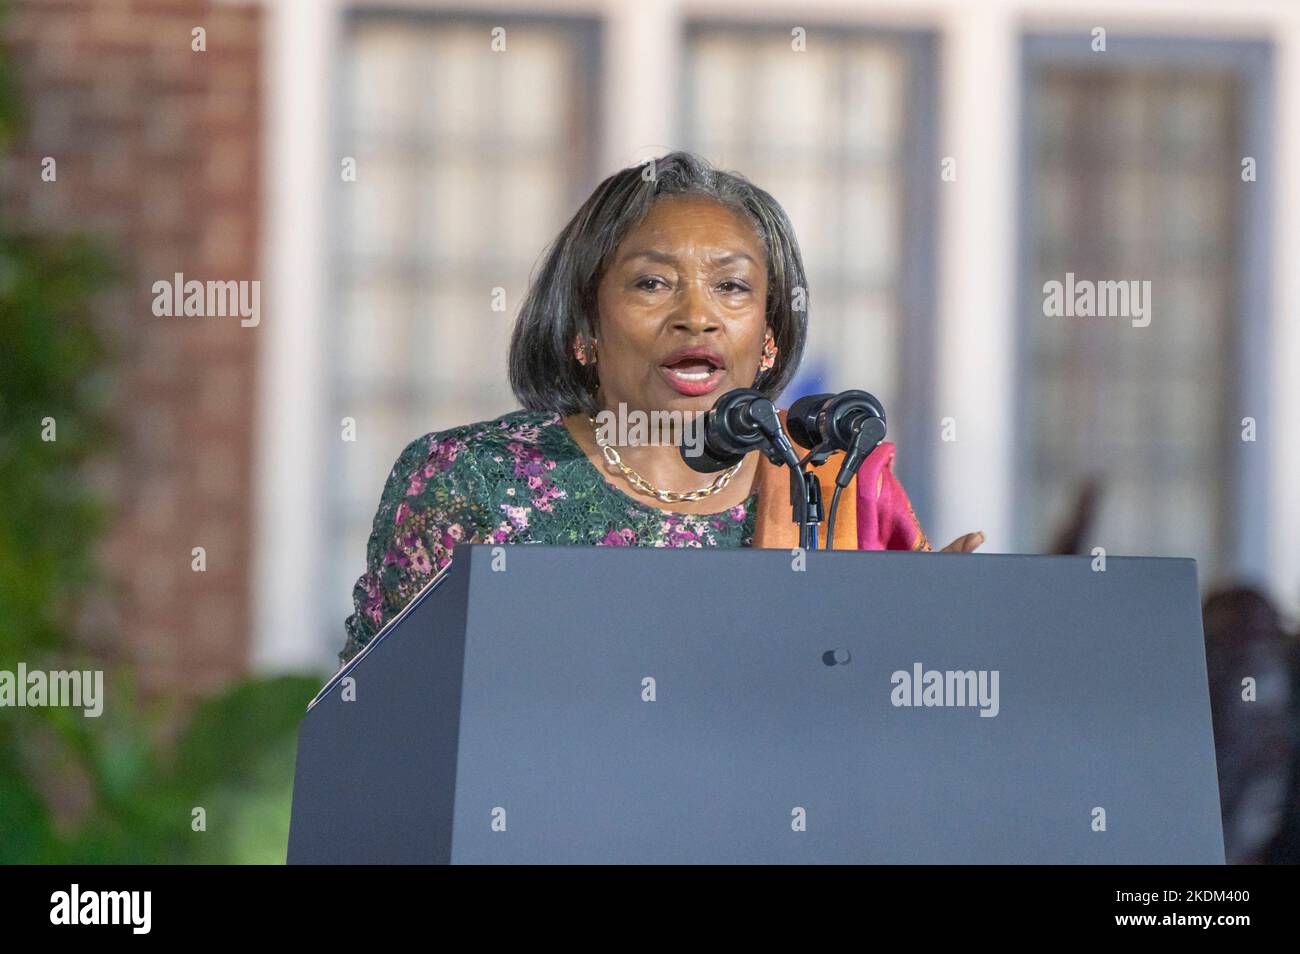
(10, 108)
(133, 797)
(48, 371)
(234, 761)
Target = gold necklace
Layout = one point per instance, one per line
(643, 485)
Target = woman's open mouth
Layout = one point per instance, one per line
(693, 371)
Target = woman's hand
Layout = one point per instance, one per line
(965, 544)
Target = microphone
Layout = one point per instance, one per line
(834, 421)
(851, 421)
(801, 419)
(744, 420)
(741, 421)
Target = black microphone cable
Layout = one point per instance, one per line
(830, 521)
(868, 432)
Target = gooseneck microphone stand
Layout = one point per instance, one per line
(805, 491)
(743, 420)
(851, 421)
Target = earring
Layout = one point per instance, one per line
(769, 353)
(583, 351)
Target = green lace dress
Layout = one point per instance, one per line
(521, 478)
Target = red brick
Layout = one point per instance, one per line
(158, 153)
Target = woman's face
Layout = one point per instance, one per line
(682, 309)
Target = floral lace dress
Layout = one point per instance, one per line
(521, 478)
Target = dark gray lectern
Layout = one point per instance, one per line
(592, 704)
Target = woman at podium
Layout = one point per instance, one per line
(672, 284)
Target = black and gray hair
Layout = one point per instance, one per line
(561, 299)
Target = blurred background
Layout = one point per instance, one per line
(382, 168)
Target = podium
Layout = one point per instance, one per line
(539, 704)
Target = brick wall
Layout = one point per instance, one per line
(157, 154)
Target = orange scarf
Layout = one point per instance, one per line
(775, 527)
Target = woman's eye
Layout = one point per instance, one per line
(730, 286)
(650, 283)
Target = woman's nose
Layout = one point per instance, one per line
(694, 312)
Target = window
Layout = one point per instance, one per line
(1134, 169)
(468, 162)
(838, 133)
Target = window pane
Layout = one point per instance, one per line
(1134, 170)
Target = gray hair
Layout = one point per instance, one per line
(561, 299)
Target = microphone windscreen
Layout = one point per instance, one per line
(801, 420)
(700, 460)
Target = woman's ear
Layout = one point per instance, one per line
(770, 351)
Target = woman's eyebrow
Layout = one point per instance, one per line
(731, 257)
(727, 258)
(653, 254)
